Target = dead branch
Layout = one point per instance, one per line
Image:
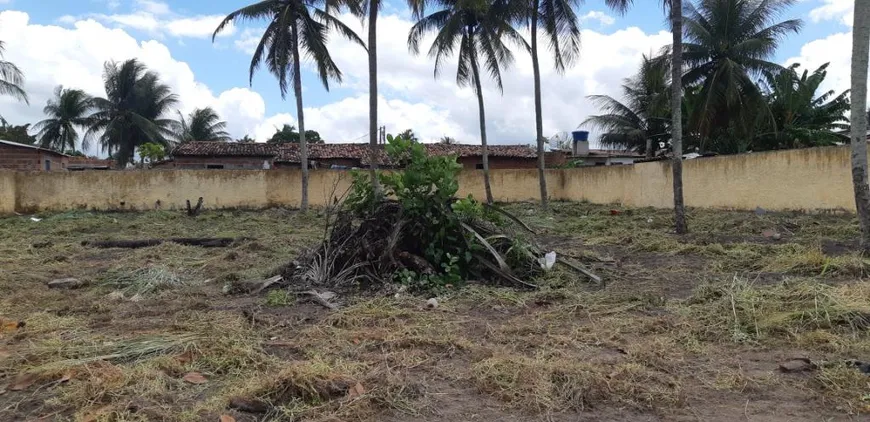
(578, 267)
(205, 242)
(195, 211)
(319, 299)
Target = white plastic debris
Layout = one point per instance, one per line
(36, 220)
(548, 261)
(432, 303)
(649, 220)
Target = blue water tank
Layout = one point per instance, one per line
(580, 135)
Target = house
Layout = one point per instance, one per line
(89, 163)
(22, 157)
(231, 155)
(221, 155)
(601, 157)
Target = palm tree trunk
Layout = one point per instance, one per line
(300, 116)
(373, 97)
(677, 118)
(484, 153)
(858, 118)
(539, 117)
(649, 151)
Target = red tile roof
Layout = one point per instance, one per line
(289, 153)
(225, 149)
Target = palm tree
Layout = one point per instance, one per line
(858, 117)
(132, 113)
(676, 7)
(641, 122)
(728, 45)
(11, 78)
(797, 117)
(478, 29)
(203, 124)
(67, 111)
(296, 29)
(559, 22)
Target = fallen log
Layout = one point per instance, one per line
(205, 242)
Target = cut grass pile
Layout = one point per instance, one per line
(683, 323)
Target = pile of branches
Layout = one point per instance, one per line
(415, 231)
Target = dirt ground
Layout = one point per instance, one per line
(685, 328)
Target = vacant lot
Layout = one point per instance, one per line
(686, 328)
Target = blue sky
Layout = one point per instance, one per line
(172, 37)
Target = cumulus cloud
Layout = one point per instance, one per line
(605, 60)
(410, 95)
(74, 57)
(835, 48)
(157, 19)
(841, 10)
(603, 18)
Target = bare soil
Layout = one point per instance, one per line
(684, 328)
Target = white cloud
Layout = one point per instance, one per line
(157, 19)
(248, 40)
(153, 7)
(602, 18)
(843, 10)
(605, 60)
(835, 49)
(5, 1)
(409, 95)
(198, 27)
(74, 57)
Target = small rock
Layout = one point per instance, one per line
(771, 234)
(760, 211)
(432, 303)
(65, 283)
(797, 365)
(116, 295)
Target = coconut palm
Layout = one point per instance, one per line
(642, 121)
(132, 113)
(11, 78)
(858, 116)
(562, 33)
(727, 47)
(477, 30)
(368, 9)
(203, 124)
(676, 18)
(296, 29)
(796, 116)
(66, 112)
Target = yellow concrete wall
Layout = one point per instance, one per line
(7, 192)
(807, 179)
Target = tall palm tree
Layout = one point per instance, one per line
(11, 78)
(203, 124)
(296, 29)
(562, 32)
(797, 117)
(858, 117)
(676, 19)
(66, 112)
(728, 46)
(368, 9)
(134, 111)
(641, 123)
(478, 29)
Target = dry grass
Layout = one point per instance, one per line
(683, 322)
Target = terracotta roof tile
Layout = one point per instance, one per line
(225, 149)
(289, 153)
